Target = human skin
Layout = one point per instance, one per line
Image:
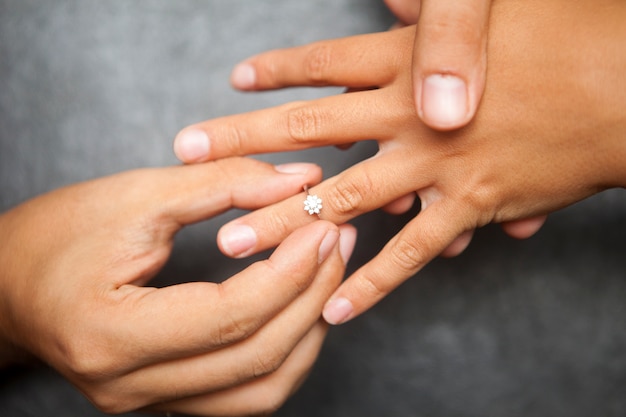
(549, 132)
(450, 44)
(76, 262)
(449, 57)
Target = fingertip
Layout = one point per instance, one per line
(444, 103)
(243, 76)
(337, 311)
(236, 240)
(347, 241)
(192, 145)
(295, 168)
(327, 245)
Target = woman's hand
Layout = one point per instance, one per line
(75, 262)
(550, 132)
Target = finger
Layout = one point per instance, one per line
(431, 195)
(449, 61)
(193, 193)
(261, 396)
(401, 205)
(407, 11)
(458, 245)
(346, 146)
(335, 120)
(338, 62)
(360, 189)
(523, 229)
(418, 243)
(187, 319)
(259, 354)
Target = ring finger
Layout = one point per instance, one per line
(362, 188)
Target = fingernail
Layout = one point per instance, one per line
(295, 168)
(337, 311)
(347, 240)
(243, 76)
(444, 101)
(327, 245)
(191, 145)
(236, 240)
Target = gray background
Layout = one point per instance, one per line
(510, 328)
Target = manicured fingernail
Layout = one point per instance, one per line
(236, 240)
(327, 245)
(191, 145)
(295, 168)
(347, 240)
(337, 311)
(444, 101)
(243, 76)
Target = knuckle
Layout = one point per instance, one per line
(456, 29)
(276, 223)
(96, 373)
(317, 63)
(407, 256)
(347, 196)
(87, 363)
(230, 329)
(304, 123)
(458, 33)
(237, 139)
(268, 359)
(268, 70)
(297, 281)
(372, 287)
(480, 199)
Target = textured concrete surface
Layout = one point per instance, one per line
(510, 328)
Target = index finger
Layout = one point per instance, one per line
(187, 319)
(189, 194)
(347, 62)
(341, 119)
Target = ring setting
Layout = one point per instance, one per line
(312, 204)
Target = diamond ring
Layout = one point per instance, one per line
(312, 204)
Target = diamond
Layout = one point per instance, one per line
(313, 204)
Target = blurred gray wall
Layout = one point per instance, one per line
(510, 328)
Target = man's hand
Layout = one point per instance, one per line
(75, 262)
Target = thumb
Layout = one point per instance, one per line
(194, 193)
(449, 61)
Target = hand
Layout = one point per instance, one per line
(550, 132)
(449, 57)
(75, 262)
(450, 36)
